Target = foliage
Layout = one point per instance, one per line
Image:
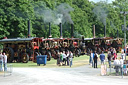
(14, 15)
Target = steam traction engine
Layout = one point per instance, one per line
(51, 46)
(21, 49)
(102, 44)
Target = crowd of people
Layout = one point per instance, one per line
(3, 61)
(65, 58)
(119, 61)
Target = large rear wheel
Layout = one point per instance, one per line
(10, 54)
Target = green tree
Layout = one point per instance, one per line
(13, 17)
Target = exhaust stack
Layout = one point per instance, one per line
(50, 30)
(117, 33)
(61, 30)
(72, 31)
(29, 31)
(104, 31)
(94, 31)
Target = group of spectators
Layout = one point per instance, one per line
(3, 61)
(65, 58)
(119, 62)
(94, 58)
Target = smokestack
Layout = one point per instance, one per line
(82, 39)
(117, 33)
(50, 30)
(104, 31)
(72, 30)
(94, 31)
(29, 31)
(61, 30)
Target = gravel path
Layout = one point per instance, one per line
(84, 75)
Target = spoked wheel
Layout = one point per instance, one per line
(49, 56)
(24, 57)
(53, 54)
(77, 53)
(10, 54)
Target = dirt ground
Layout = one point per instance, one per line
(83, 75)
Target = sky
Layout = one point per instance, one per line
(109, 1)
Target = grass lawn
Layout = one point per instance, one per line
(77, 61)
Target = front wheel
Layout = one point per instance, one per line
(77, 53)
(48, 56)
(24, 58)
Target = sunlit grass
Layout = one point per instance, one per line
(77, 61)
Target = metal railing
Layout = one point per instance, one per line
(8, 71)
(120, 66)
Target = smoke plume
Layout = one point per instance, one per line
(57, 16)
(112, 25)
(101, 13)
(48, 16)
(64, 9)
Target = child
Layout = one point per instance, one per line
(125, 68)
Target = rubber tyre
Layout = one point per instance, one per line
(25, 58)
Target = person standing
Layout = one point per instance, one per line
(61, 58)
(1, 62)
(58, 58)
(67, 54)
(64, 57)
(123, 55)
(95, 59)
(70, 58)
(102, 57)
(121, 65)
(125, 68)
(5, 61)
(91, 58)
(117, 66)
(114, 54)
(109, 58)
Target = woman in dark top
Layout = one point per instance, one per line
(95, 60)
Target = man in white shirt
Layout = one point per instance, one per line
(123, 55)
(5, 61)
(121, 64)
(117, 66)
(1, 62)
(92, 56)
(70, 56)
(64, 57)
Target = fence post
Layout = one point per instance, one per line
(121, 71)
(110, 69)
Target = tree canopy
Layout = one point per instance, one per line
(82, 14)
